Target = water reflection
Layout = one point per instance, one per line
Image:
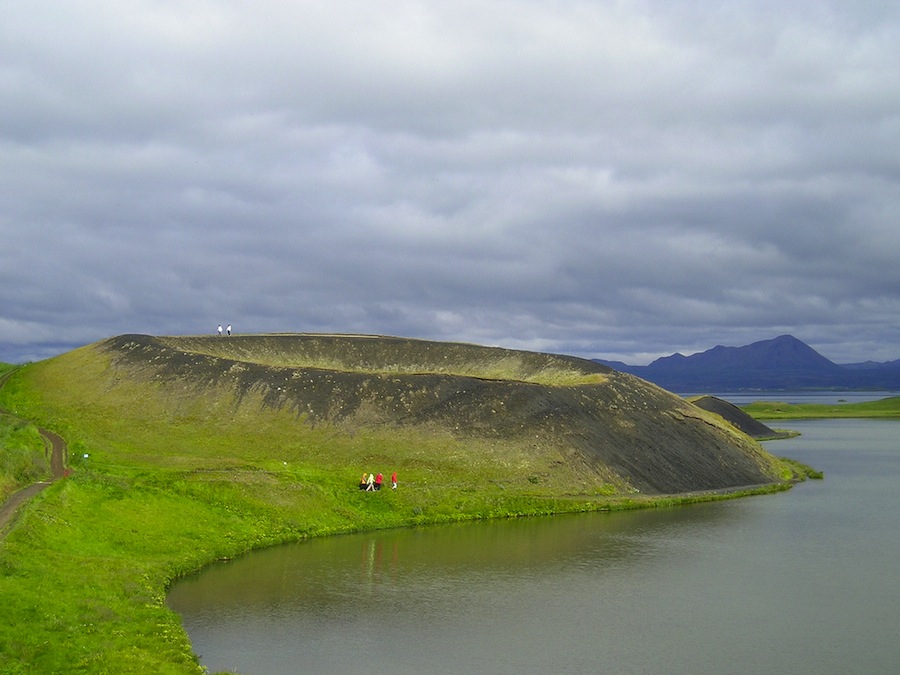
(482, 588)
(352, 570)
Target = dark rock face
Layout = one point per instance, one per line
(655, 441)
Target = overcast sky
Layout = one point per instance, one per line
(617, 180)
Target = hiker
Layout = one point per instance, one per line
(219, 330)
(370, 483)
(379, 479)
(394, 481)
(362, 482)
(228, 330)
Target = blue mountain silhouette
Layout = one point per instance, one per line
(780, 363)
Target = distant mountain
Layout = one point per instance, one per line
(781, 363)
(873, 365)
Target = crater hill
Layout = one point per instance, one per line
(440, 412)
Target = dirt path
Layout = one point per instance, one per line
(56, 447)
(57, 453)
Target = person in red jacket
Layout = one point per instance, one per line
(379, 479)
(394, 481)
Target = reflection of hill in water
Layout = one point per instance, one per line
(357, 570)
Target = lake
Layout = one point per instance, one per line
(804, 580)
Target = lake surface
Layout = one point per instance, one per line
(802, 581)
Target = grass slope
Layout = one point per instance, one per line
(23, 457)
(188, 450)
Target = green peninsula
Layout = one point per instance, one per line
(886, 408)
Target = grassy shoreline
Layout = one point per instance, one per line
(85, 572)
(886, 408)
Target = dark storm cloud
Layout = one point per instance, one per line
(620, 180)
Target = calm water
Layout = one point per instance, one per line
(803, 581)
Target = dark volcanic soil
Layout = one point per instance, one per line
(654, 440)
(734, 415)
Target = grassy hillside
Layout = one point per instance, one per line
(186, 450)
(22, 453)
(774, 410)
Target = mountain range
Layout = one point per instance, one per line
(781, 363)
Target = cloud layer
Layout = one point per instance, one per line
(607, 179)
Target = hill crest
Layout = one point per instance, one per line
(609, 429)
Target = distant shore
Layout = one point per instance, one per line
(886, 408)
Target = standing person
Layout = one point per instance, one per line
(362, 482)
(219, 330)
(379, 479)
(228, 330)
(394, 481)
(370, 483)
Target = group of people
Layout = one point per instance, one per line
(227, 330)
(372, 483)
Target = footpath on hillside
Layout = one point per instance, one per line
(56, 446)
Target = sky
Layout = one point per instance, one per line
(609, 179)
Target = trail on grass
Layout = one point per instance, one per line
(56, 447)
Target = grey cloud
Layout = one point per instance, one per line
(609, 180)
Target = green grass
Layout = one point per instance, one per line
(22, 457)
(803, 470)
(22, 452)
(774, 410)
(165, 482)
